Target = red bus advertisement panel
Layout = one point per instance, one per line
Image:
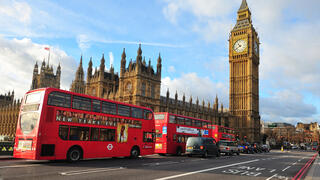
(59, 124)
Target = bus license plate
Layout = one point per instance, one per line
(25, 145)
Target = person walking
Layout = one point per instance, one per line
(318, 149)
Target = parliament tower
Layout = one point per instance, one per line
(244, 76)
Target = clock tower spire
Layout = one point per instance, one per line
(244, 76)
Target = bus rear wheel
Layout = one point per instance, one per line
(74, 154)
(134, 153)
(179, 151)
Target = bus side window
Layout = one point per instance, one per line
(107, 135)
(188, 122)
(172, 119)
(148, 115)
(81, 103)
(59, 99)
(63, 132)
(109, 108)
(96, 105)
(124, 110)
(148, 137)
(94, 134)
(79, 133)
(136, 113)
(174, 138)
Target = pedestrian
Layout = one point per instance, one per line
(318, 149)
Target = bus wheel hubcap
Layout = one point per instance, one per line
(75, 155)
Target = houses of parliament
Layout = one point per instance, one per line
(139, 83)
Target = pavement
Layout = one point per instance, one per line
(314, 171)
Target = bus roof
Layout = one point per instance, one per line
(182, 116)
(50, 89)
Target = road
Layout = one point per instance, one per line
(267, 166)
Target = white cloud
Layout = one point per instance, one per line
(20, 11)
(193, 85)
(111, 57)
(18, 58)
(171, 69)
(83, 42)
(287, 105)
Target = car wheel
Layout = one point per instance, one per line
(218, 154)
(205, 155)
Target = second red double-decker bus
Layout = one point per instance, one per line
(222, 133)
(56, 124)
(172, 132)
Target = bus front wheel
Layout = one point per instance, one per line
(74, 154)
(134, 153)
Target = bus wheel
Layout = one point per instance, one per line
(134, 153)
(179, 151)
(74, 154)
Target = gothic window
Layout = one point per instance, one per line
(143, 89)
(152, 91)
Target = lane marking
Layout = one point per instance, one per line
(294, 163)
(272, 176)
(19, 166)
(87, 171)
(286, 168)
(161, 163)
(273, 170)
(205, 170)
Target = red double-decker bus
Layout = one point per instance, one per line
(56, 124)
(222, 133)
(172, 132)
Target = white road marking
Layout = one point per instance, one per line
(272, 176)
(205, 170)
(161, 163)
(286, 168)
(87, 171)
(273, 170)
(18, 166)
(294, 163)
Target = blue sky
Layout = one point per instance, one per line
(191, 35)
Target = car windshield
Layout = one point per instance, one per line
(193, 141)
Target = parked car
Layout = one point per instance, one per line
(266, 148)
(202, 146)
(257, 147)
(228, 147)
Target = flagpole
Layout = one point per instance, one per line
(49, 57)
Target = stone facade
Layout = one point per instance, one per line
(78, 85)
(140, 84)
(9, 112)
(46, 77)
(244, 76)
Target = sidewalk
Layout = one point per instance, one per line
(5, 157)
(314, 172)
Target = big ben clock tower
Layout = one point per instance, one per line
(244, 76)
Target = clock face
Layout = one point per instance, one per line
(256, 47)
(129, 87)
(240, 45)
